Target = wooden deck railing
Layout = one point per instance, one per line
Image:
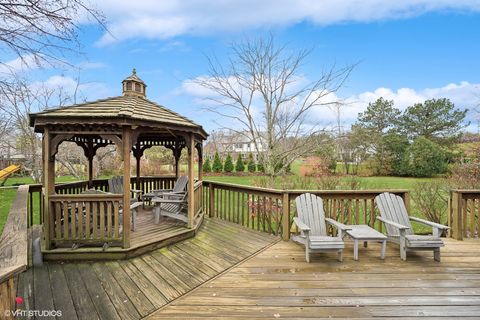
(272, 210)
(464, 214)
(13, 251)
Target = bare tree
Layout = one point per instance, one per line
(258, 89)
(19, 99)
(42, 31)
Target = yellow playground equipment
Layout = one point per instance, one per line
(5, 173)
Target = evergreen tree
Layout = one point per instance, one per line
(260, 167)
(228, 166)
(239, 166)
(437, 120)
(217, 164)
(207, 166)
(251, 164)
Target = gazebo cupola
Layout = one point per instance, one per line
(134, 86)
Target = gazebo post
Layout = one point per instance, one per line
(48, 184)
(191, 180)
(138, 157)
(127, 146)
(200, 161)
(176, 154)
(90, 170)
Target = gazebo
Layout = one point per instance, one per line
(133, 124)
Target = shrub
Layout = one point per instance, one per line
(251, 163)
(425, 158)
(327, 182)
(228, 166)
(466, 175)
(207, 166)
(260, 167)
(239, 166)
(217, 164)
(431, 200)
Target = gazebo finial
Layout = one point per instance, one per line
(134, 72)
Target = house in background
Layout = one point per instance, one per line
(235, 143)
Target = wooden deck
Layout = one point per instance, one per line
(278, 283)
(147, 236)
(134, 288)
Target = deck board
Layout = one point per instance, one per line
(278, 283)
(134, 288)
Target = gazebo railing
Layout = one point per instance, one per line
(148, 184)
(84, 219)
(90, 218)
(198, 199)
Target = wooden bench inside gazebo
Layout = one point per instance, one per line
(98, 225)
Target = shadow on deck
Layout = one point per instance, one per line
(134, 288)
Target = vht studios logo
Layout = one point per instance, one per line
(31, 313)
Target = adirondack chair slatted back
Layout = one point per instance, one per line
(310, 211)
(115, 185)
(393, 208)
(181, 184)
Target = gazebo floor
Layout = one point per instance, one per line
(147, 236)
(135, 288)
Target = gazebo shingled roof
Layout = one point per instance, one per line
(124, 107)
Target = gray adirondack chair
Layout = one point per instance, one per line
(115, 185)
(312, 224)
(179, 187)
(399, 230)
(170, 205)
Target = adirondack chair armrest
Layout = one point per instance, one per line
(336, 224)
(161, 190)
(135, 205)
(161, 200)
(136, 191)
(429, 223)
(301, 225)
(169, 201)
(399, 226)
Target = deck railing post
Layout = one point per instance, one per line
(211, 200)
(457, 215)
(286, 216)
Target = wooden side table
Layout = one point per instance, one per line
(365, 233)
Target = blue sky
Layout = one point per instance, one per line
(407, 51)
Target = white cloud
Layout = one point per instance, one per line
(66, 87)
(20, 64)
(464, 95)
(167, 19)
